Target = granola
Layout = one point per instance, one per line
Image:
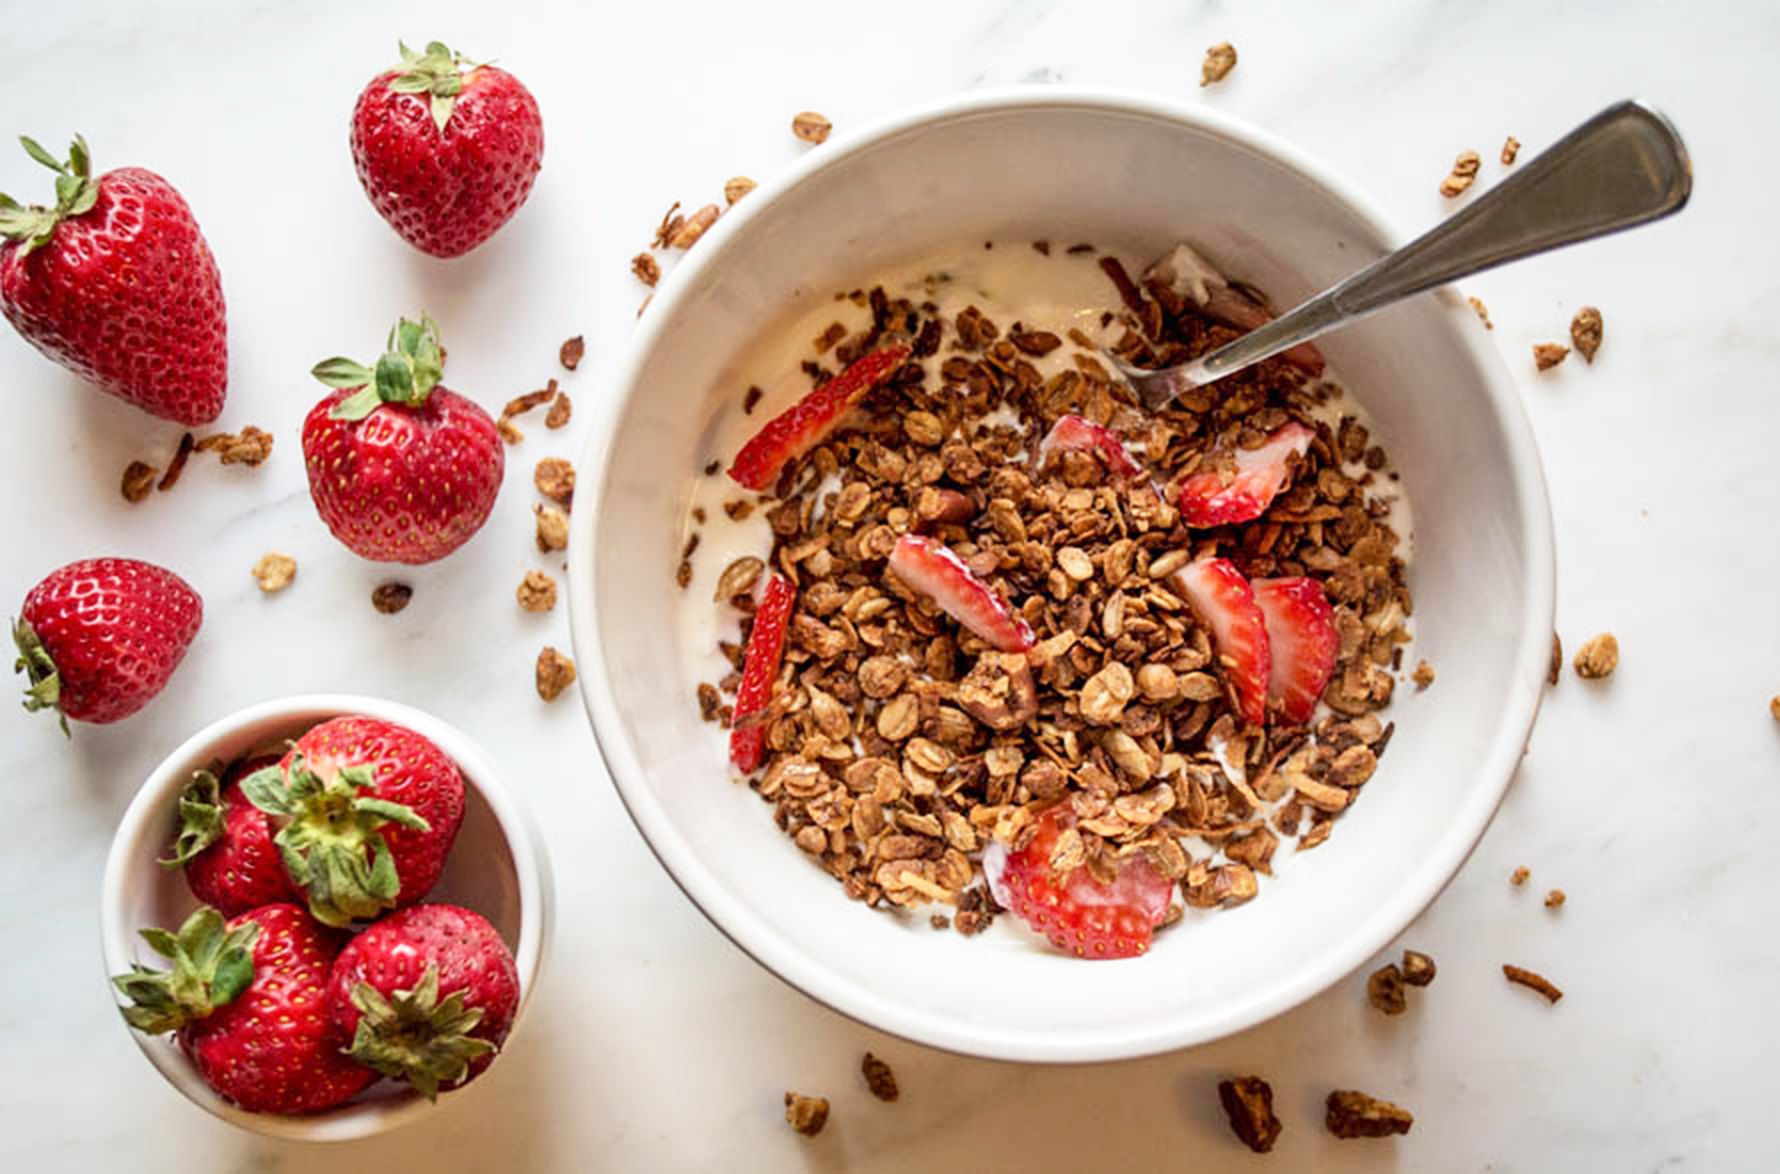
(1418, 968)
(274, 571)
(1463, 175)
(811, 127)
(1547, 355)
(807, 1115)
(1532, 981)
(536, 592)
(390, 598)
(1585, 332)
(571, 352)
(879, 1078)
(1598, 657)
(1220, 59)
(555, 672)
(1510, 150)
(138, 480)
(1248, 1102)
(1352, 1114)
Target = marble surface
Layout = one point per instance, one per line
(654, 1044)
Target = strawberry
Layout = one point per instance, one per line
(364, 812)
(116, 284)
(400, 468)
(812, 419)
(446, 149)
(426, 995)
(1077, 432)
(766, 644)
(225, 843)
(1078, 913)
(99, 638)
(247, 999)
(1225, 603)
(931, 568)
(1302, 641)
(1221, 498)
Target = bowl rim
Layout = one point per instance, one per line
(136, 835)
(805, 972)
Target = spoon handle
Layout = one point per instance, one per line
(1624, 167)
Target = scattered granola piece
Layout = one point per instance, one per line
(736, 188)
(811, 127)
(738, 577)
(508, 433)
(878, 1078)
(1510, 148)
(711, 468)
(645, 305)
(1248, 1101)
(671, 220)
(1585, 332)
(1597, 658)
(1532, 981)
(1519, 876)
(1547, 355)
(1557, 660)
(572, 351)
(390, 598)
(519, 405)
(710, 701)
(248, 447)
(751, 399)
(555, 479)
(553, 528)
(561, 408)
(1418, 968)
(1220, 59)
(1354, 1114)
(1554, 899)
(139, 479)
(1774, 706)
(683, 574)
(537, 591)
(1385, 990)
(1423, 675)
(1483, 312)
(555, 673)
(646, 268)
(807, 1115)
(274, 571)
(695, 226)
(1464, 173)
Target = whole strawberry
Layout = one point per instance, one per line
(446, 149)
(99, 638)
(116, 283)
(400, 468)
(225, 843)
(426, 995)
(246, 999)
(365, 813)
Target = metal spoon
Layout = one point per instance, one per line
(1624, 167)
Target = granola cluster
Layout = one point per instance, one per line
(899, 745)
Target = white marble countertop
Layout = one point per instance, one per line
(653, 1043)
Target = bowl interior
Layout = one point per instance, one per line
(1133, 178)
(483, 873)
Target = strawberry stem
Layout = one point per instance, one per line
(45, 688)
(406, 373)
(76, 192)
(212, 965)
(200, 817)
(414, 1036)
(437, 73)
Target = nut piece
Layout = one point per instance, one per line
(1385, 990)
(1418, 968)
(1585, 332)
(646, 268)
(1220, 59)
(1248, 1101)
(1423, 675)
(1597, 658)
(1547, 355)
(1510, 148)
(555, 673)
(1557, 660)
(139, 478)
(1354, 1114)
(571, 352)
(878, 1078)
(555, 479)
(999, 691)
(553, 529)
(390, 598)
(807, 1115)
(811, 127)
(1464, 172)
(1532, 981)
(275, 571)
(537, 591)
(736, 188)
(695, 226)
(1554, 899)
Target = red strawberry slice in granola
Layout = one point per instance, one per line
(1303, 643)
(932, 569)
(766, 644)
(1225, 603)
(1221, 498)
(1078, 913)
(1077, 432)
(812, 419)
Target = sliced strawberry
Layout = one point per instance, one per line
(1234, 309)
(1301, 637)
(1076, 432)
(1074, 910)
(1221, 498)
(932, 569)
(1225, 603)
(809, 422)
(766, 643)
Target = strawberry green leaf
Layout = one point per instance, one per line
(394, 812)
(76, 193)
(44, 690)
(410, 83)
(405, 374)
(160, 941)
(34, 149)
(441, 106)
(415, 1036)
(338, 372)
(200, 818)
(212, 965)
(265, 789)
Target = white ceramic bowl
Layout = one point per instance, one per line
(497, 867)
(1134, 176)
